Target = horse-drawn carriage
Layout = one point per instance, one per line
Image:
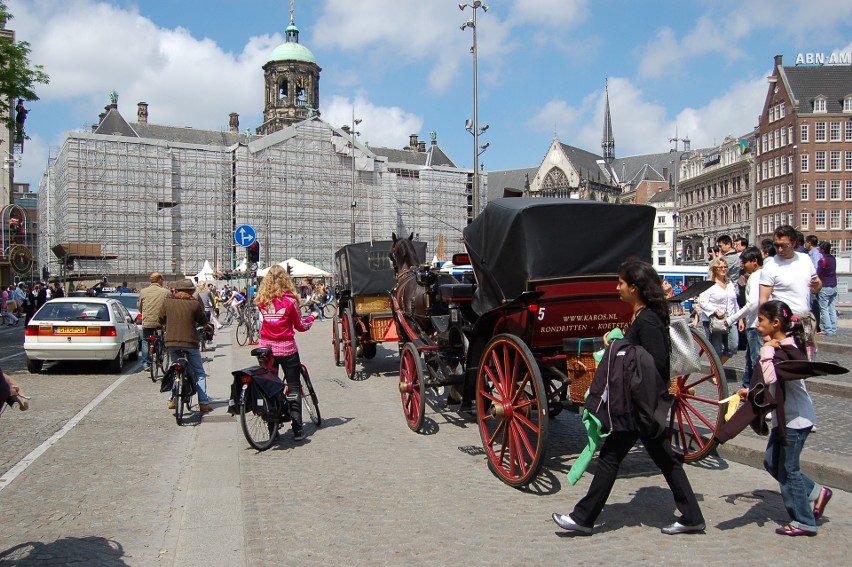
(517, 344)
(363, 318)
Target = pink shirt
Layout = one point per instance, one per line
(280, 324)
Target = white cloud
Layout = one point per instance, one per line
(556, 14)
(642, 127)
(380, 126)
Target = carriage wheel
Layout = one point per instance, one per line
(412, 387)
(335, 339)
(696, 412)
(511, 408)
(350, 343)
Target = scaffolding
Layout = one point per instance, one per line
(161, 205)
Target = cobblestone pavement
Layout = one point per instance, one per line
(128, 487)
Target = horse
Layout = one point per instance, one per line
(410, 296)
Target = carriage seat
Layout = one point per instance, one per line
(457, 292)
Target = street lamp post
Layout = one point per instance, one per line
(676, 196)
(474, 127)
(354, 203)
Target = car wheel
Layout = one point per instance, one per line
(135, 355)
(34, 366)
(117, 365)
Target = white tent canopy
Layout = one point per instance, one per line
(299, 270)
(206, 274)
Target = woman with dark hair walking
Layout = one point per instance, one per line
(639, 285)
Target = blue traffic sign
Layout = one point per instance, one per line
(245, 235)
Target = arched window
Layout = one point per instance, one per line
(555, 180)
(283, 88)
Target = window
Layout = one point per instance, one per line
(764, 142)
(847, 244)
(783, 136)
(804, 220)
(848, 161)
(819, 104)
(771, 114)
(834, 161)
(805, 162)
(661, 220)
(765, 170)
(835, 132)
(803, 133)
(780, 112)
(834, 190)
(847, 104)
(661, 236)
(819, 132)
(771, 168)
(661, 258)
(834, 219)
(848, 196)
(771, 196)
(849, 131)
(819, 220)
(779, 197)
(835, 244)
(848, 219)
(804, 193)
(819, 161)
(819, 190)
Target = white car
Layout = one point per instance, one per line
(81, 328)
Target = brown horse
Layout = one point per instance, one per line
(410, 296)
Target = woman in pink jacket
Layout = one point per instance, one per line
(279, 310)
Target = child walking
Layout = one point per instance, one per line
(804, 499)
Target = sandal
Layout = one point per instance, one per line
(821, 502)
(789, 530)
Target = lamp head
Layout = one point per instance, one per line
(485, 145)
(462, 6)
(483, 129)
(468, 124)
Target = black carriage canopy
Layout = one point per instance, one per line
(516, 240)
(365, 267)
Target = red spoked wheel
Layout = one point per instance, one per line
(511, 407)
(350, 343)
(335, 339)
(412, 387)
(697, 413)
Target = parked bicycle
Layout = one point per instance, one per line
(157, 355)
(259, 397)
(248, 327)
(182, 384)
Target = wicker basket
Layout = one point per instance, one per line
(378, 326)
(581, 370)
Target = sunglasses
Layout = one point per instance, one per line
(782, 245)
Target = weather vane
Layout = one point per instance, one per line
(292, 10)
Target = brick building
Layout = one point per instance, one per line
(804, 153)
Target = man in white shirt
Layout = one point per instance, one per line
(790, 276)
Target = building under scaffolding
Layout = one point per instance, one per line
(140, 197)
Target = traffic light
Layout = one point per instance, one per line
(253, 252)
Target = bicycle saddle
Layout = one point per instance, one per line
(261, 351)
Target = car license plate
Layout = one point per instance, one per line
(70, 331)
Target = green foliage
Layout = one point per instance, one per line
(18, 76)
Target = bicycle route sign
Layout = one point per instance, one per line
(245, 235)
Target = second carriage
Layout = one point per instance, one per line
(364, 319)
(517, 345)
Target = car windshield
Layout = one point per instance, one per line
(76, 311)
(129, 301)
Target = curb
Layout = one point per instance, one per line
(823, 468)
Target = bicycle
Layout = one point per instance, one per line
(262, 406)
(157, 354)
(233, 313)
(248, 331)
(183, 384)
(328, 308)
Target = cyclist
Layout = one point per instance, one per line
(318, 301)
(235, 299)
(278, 304)
(181, 314)
(150, 305)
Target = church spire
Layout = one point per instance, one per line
(291, 34)
(608, 141)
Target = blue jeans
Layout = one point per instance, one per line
(828, 310)
(755, 342)
(725, 344)
(197, 369)
(797, 490)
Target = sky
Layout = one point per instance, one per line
(682, 69)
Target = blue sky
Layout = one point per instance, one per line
(698, 68)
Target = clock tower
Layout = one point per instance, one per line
(291, 77)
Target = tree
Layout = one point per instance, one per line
(18, 76)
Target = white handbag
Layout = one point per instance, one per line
(685, 353)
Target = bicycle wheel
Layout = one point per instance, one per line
(309, 397)
(177, 390)
(242, 333)
(259, 432)
(305, 309)
(329, 310)
(154, 363)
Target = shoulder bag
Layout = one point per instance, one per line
(684, 358)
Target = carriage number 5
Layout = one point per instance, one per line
(541, 313)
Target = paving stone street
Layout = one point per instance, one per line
(127, 486)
